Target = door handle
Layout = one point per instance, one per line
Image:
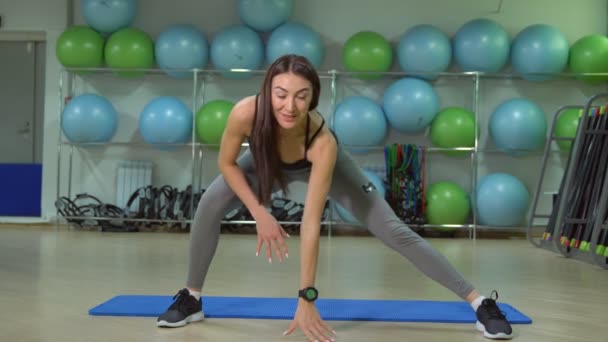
(24, 130)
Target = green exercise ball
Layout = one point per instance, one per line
(367, 51)
(447, 203)
(130, 48)
(80, 47)
(566, 126)
(211, 121)
(453, 127)
(589, 54)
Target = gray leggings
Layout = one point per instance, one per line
(369, 207)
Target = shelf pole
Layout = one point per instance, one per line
(474, 157)
(333, 100)
(194, 160)
(61, 99)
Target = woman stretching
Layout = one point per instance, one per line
(289, 141)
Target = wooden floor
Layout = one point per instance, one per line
(49, 279)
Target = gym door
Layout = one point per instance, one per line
(21, 108)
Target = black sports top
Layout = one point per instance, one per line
(301, 163)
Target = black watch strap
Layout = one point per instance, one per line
(309, 294)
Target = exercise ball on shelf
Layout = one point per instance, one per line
(166, 120)
(368, 52)
(447, 203)
(80, 47)
(453, 127)
(566, 126)
(424, 49)
(181, 46)
(589, 54)
(358, 120)
(264, 15)
(345, 215)
(89, 118)
(108, 16)
(539, 49)
(481, 45)
(130, 48)
(295, 38)
(410, 104)
(237, 47)
(518, 126)
(211, 121)
(502, 200)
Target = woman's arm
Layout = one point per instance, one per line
(323, 157)
(237, 128)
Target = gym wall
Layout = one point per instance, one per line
(336, 21)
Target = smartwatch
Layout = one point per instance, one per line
(310, 294)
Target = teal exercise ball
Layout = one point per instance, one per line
(89, 118)
(481, 45)
(539, 51)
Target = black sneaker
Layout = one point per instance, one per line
(185, 309)
(491, 321)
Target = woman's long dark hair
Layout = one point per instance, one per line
(264, 133)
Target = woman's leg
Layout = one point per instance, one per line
(217, 200)
(357, 194)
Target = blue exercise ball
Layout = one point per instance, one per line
(481, 45)
(295, 38)
(426, 49)
(358, 120)
(410, 104)
(237, 47)
(502, 200)
(166, 120)
(376, 180)
(540, 49)
(181, 47)
(89, 118)
(264, 15)
(518, 126)
(109, 16)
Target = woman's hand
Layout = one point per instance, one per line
(271, 233)
(308, 320)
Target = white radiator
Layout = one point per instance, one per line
(130, 176)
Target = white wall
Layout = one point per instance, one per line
(336, 20)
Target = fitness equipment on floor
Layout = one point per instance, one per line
(577, 225)
(150, 205)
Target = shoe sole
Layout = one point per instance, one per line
(500, 336)
(199, 316)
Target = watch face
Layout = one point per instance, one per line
(310, 293)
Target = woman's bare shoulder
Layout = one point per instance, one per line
(243, 113)
(324, 146)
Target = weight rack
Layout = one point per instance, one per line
(578, 225)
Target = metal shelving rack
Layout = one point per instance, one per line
(199, 82)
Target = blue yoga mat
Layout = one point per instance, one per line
(329, 309)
